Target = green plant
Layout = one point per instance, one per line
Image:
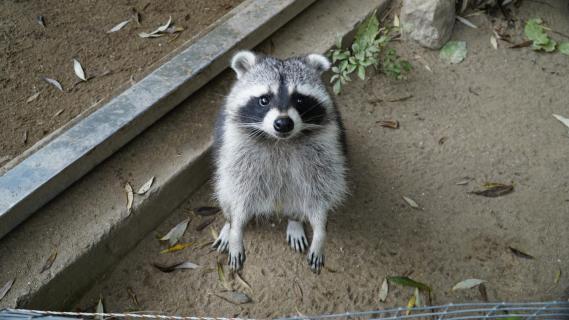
(368, 49)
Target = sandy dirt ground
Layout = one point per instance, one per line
(77, 29)
(493, 113)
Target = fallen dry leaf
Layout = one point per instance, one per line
(396, 21)
(100, 310)
(403, 98)
(442, 140)
(464, 181)
(118, 26)
(563, 120)
(408, 282)
(205, 222)
(214, 234)
(391, 124)
(41, 20)
(493, 190)
(418, 298)
(206, 211)
(25, 139)
(520, 254)
(5, 288)
(49, 262)
(524, 44)
(242, 282)
(135, 15)
(483, 293)
(79, 70)
(557, 276)
(33, 97)
(384, 290)
(176, 266)
(132, 296)
(221, 276)
(129, 197)
(466, 22)
(411, 202)
(177, 247)
(494, 42)
(234, 297)
(467, 284)
(411, 304)
(54, 83)
(176, 233)
(145, 187)
(174, 29)
(158, 32)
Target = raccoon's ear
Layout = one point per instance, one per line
(242, 61)
(318, 62)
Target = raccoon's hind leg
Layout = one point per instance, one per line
(316, 253)
(236, 247)
(295, 236)
(222, 242)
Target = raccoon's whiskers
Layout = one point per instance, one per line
(311, 107)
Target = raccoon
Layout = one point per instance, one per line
(279, 147)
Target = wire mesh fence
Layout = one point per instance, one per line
(553, 310)
(501, 310)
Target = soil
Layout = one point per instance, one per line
(488, 118)
(78, 29)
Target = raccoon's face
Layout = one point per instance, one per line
(279, 98)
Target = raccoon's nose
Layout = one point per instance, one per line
(283, 125)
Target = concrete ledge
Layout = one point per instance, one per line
(88, 224)
(69, 156)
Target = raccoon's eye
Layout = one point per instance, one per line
(300, 100)
(264, 101)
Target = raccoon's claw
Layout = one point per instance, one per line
(298, 244)
(236, 260)
(295, 236)
(316, 262)
(222, 242)
(221, 245)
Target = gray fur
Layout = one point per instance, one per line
(303, 176)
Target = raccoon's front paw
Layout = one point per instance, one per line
(222, 242)
(236, 258)
(315, 261)
(295, 236)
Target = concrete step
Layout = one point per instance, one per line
(88, 224)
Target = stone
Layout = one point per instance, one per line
(429, 22)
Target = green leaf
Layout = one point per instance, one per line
(407, 66)
(564, 48)
(337, 87)
(338, 41)
(334, 78)
(534, 31)
(548, 47)
(351, 68)
(335, 70)
(361, 72)
(343, 65)
(408, 282)
(367, 31)
(352, 60)
(453, 52)
(355, 47)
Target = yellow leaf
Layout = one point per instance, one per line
(178, 247)
(214, 234)
(410, 304)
